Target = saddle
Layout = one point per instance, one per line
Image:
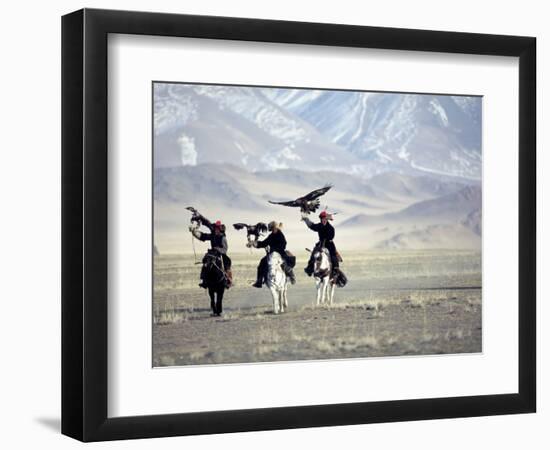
(210, 255)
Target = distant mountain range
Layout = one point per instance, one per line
(446, 209)
(358, 133)
(228, 184)
(389, 210)
(449, 221)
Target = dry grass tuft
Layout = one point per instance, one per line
(457, 334)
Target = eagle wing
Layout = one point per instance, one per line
(261, 227)
(309, 202)
(316, 193)
(292, 203)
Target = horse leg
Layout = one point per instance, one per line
(219, 299)
(319, 290)
(282, 294)
(275, 296)
(325, 290)
(285, 298)
(211, 293)
(331, 293)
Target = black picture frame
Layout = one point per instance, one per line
(84, 224)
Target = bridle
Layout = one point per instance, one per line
(212, 261)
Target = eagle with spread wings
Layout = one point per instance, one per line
(309, 203)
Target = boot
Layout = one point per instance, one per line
(291, 276)
(259, 279)
(289, 273)
(335, 266)
(202, 284)
(309, 269)
(228, 278)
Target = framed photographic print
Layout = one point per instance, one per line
(274, 224)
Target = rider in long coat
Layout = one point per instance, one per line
(276, 242)
(218, 247)
(326, 234)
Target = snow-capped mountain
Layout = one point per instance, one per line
(197, 124)
(362, 133)
(412, 133)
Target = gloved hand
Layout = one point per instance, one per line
(304, 215)
(192, 228)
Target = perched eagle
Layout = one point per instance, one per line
(252, 230)
(308, 203)
(199, 219)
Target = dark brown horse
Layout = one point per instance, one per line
(215, 281)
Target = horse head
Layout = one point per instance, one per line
(274, 260)
(321, 261)
(214, 267)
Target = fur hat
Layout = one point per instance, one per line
(274, 225)
(219, 225)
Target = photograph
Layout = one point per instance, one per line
(295, 224)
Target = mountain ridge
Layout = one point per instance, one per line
(361, 133)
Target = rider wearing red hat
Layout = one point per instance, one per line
(218, 246)
(326, 235)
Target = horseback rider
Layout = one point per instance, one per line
(276, 242)
(326, 235)
(218, 248)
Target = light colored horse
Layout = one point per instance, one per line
(322, 270)
(277, 282)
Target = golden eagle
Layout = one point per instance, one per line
(199, 219)
(309, 203)
(254, 230)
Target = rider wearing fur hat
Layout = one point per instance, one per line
(218, 247)
(326, 235)
(276, 242)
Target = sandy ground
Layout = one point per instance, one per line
(396, 303)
